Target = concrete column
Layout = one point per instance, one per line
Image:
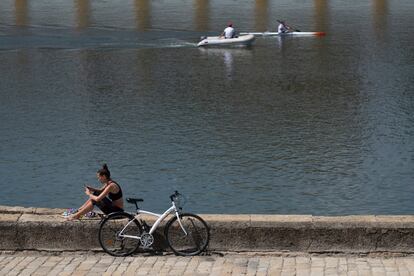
(83, 11)
(143, 14)
(21, 13)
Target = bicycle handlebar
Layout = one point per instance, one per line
(174, 195)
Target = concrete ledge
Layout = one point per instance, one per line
(45, 229)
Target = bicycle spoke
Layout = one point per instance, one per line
(196, 235)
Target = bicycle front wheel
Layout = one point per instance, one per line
(190, 239)
(111, 238)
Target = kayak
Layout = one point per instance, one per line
(242, 40)
(287, 34)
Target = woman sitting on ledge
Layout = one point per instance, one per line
(108, 198)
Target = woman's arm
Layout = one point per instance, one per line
(92, 189)
(103, 193)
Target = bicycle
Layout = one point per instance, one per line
(121, 233)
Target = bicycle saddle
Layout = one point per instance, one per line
(134, 200)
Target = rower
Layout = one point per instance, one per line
(229, 31)
(283, 27)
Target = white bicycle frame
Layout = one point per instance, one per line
(172, 209)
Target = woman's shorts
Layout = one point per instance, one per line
(106, 206)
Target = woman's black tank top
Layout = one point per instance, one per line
(116, 196)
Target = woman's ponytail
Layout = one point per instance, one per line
(104, 171)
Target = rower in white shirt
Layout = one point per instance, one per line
(229, 31)
(283, 27)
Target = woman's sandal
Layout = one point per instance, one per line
(69, 212)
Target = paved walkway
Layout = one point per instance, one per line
(78, 263)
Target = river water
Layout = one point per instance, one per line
(294, 125)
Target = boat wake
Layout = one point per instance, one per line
(176, 43)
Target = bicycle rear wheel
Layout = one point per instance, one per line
(191, 243)
(109, 232)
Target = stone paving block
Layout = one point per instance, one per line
(34, 265)
(64, 273)
(113, 266)
(404, 273)
(192, 265)
(21, 266)
(106, 260)
(157, 267)
(263, 263)
(331, 262)
(343, 268)
(8, 268)
(226, 267)
(43, 270)
(60, 266)
(275, 265)
(204, 267)
(240, 266)
(353, 273)
(12, 262)
(120, 270)
(93, 273)
(302, 272)
(26, 272)
(409, 264)
(288, 263)
(134, 265)
(79, 273)
(303, 260)
(252, 265)
(181, 263)
(402, 268)
(317, 262)
(317, 271)
(98, 269)
(378, 271)
(216, 268)
(289, 266)
(331, 271)
(70, 267)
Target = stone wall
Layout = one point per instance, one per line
(45, 229)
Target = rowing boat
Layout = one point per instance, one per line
(243, 40)
(287, 34)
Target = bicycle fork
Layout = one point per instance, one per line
(179, 222)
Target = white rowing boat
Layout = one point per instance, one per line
(243, 40)
(287, 34)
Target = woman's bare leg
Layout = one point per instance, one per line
(87, 207)
(84, 205)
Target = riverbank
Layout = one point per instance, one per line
(45, 229)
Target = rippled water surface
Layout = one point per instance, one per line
(309, 125)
